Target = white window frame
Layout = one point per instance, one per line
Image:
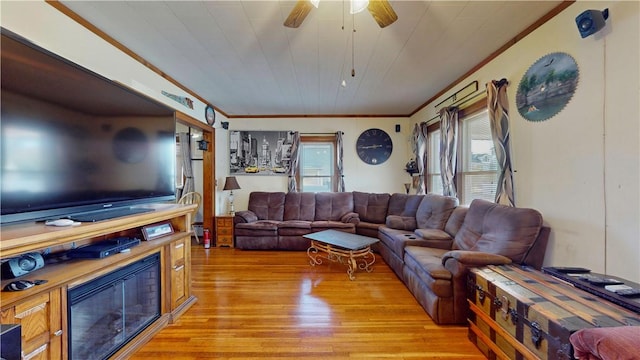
(464, 172)
(482, 164)
(309, 140)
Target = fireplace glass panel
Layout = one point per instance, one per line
(107, 312)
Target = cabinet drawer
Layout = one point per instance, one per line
(41, 325)
(225, 241)
(224, 222)
(178, 252)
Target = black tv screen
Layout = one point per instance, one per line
(74, 141)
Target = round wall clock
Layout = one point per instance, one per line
(210, 115)
(374, 146)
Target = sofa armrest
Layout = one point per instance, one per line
(398, 222)
(474, 258)
(350, 217)
(245, 216)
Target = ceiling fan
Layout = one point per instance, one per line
(381, 11)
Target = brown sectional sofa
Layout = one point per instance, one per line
(428, 240)
(490, 234)
(275, 220)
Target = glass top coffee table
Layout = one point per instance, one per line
(342, 247)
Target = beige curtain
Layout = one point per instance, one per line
(448, 149)
(295, 159)
(420, 151)
(339, 161)
(498, 107)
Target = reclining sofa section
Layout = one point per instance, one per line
(428, 240)
(275, 220)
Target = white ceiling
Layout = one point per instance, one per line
(239, 57)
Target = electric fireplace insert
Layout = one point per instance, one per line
(106, 313)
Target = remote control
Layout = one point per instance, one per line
(600, 281)
(570, 269)
(628, 292)
(616, 288)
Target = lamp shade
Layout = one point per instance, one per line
(231, 183)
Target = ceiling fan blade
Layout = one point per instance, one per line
(299, 12)
(382, 12)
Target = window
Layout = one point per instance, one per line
(434, 180)
(477, 172)
(317, 171)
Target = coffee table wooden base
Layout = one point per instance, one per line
(355, 259)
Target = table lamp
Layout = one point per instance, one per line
(231, 184)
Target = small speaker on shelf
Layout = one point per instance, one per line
(22, 265)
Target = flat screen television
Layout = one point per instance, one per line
(74, 142)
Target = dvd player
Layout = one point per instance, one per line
(103, 248)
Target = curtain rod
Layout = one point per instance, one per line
(464, 100)
(455, 94)
(328, 133)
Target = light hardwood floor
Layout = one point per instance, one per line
(274, 305)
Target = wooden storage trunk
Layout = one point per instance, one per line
(521, 313)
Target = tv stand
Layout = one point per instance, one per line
(41, 310)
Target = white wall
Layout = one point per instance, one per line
(387, 177)
(580, 168)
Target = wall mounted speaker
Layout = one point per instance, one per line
(22, 265)
(397, 127)
(225, 125)
(591, 21)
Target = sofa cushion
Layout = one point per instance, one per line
(294, 227)
(401, 222)
(300, 206)
(331, 206)
(267, 205)
(367, 229)
(397, 240)
(257, 228)
(434, 234)
(335, 225)
(499, 229)
(434, 211)
(455, 220)
(371, 207)
(426, 263)
(404, 204)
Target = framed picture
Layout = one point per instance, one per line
(547, 87)
(155, 231)
(260, 152)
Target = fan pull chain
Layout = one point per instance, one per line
(343, 15)
(353, 41)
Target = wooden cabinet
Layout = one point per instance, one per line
(40, 317)
(42, 310)
(178, 272)
(224, 231)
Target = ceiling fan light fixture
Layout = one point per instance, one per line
(358, 6)
(315, 3)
